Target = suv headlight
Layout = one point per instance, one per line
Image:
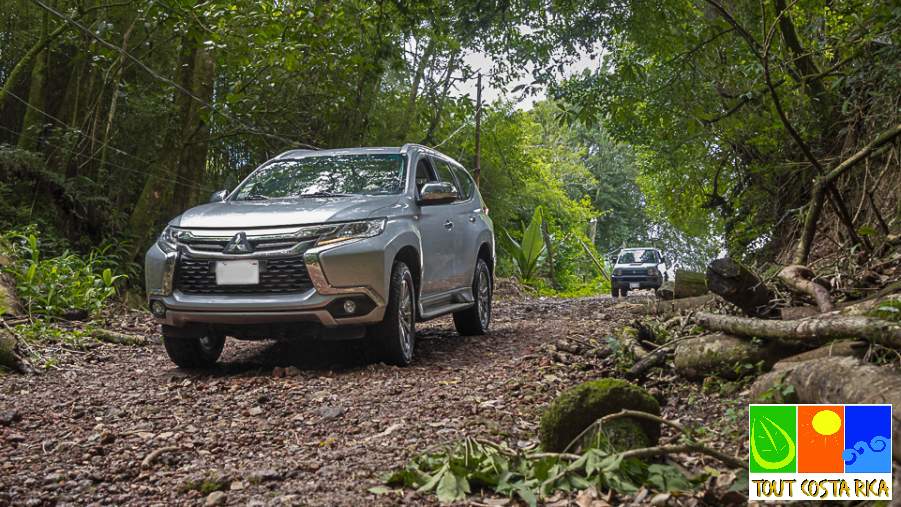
(353, 230)
(617, 272)
(653, 272)
(168, 241)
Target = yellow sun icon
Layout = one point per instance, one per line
(826, 422)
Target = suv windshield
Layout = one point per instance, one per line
(325, 176)
(642, 256)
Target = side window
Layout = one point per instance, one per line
(466, 183)
(424, 173)
(445, 173)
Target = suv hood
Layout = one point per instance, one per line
(636, 265)
(283, 212)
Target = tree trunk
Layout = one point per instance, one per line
(689, 284)
(815, 331)
(192, 163)
(162, 193)
(739, 286)
(834, 380)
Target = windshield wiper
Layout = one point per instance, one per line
(255, 197)
(323, 194)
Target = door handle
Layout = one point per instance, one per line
(448, 225)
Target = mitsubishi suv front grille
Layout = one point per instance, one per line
(280, 275)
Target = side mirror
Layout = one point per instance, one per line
(437, 192)
(218, 196)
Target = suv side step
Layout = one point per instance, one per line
(443, 310)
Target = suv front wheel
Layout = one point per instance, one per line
(476, 319)
(396, 334)
(192, 351)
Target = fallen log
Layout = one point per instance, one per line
(840, 348)
(723, 355)
(834, 380)
(815, 330)
(666, 308)
(739, 286)
(800, 279)
(9, 353)
(689, 284)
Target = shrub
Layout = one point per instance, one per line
(53, 286)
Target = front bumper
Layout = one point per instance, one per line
(629, 281)
(352, 270)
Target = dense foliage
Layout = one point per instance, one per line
(698, 129)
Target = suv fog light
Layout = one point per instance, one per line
(157, 308)
(349, 306)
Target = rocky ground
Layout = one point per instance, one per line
(308, 423)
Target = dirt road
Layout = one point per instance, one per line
(121, 425)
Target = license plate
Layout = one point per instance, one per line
(634, 285)
(237, 272)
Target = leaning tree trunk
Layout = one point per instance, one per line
(161, 189)
(834, 380)
(739, 286)
(689, 284)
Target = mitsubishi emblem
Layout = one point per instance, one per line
(238, 245)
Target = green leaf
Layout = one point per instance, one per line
(452, 488)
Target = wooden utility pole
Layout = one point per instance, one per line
(478, 169)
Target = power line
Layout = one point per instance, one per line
(160, 77)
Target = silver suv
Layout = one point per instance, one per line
(337, 244)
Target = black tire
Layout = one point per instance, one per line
(623, 292)
(614, 291)
(476, 319)
(396, 334)
(193, 351)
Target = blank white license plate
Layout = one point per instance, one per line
(237, 272)
(634, 285)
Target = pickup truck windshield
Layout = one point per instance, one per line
(325, 176)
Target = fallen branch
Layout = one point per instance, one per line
(108, 336)
(156, 453)
(817, 330)
(649, 361)
(800, 279)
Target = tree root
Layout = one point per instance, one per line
(800, 279)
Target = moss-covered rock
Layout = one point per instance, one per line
(578, 407)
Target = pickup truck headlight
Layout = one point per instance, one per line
(617, 272)
(168, 242)
(653, 272)
(353, 230)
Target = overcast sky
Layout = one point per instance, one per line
(482, 61)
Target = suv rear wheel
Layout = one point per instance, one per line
(192, 351)
(476, 319)
(396, 334)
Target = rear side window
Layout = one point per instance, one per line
(466, 183)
